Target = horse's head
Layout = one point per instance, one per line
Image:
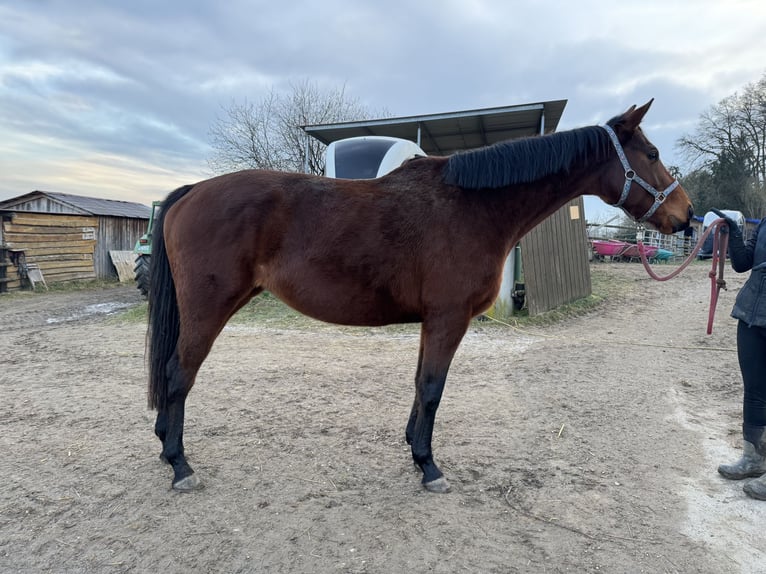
(638, 182)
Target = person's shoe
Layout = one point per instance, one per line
(751, 464)
(756, 488)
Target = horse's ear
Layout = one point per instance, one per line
(632, 118)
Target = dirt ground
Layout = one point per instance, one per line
(586, 446)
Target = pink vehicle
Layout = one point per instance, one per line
(608, 248)
(631, 252)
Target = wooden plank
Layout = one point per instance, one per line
(59, 247)
(22, 218)
(35, 276)
(11, 237)
(124, 262)
(59, 264)
(54, 277)
(62, 256)
(43, 229)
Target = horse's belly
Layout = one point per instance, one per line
(348, 306)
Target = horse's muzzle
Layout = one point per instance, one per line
(687, 223)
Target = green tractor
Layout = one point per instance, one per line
(143, 251)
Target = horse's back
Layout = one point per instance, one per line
(344, 251)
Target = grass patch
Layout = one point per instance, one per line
(605, 287)
(264, 310)
(65, 287)
(138, 314)
(267, 310)
(83, 285)
(561, 313)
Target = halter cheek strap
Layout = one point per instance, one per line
(631, 176)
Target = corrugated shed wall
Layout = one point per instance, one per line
(115, 234)
(555, 260)
(44, 204)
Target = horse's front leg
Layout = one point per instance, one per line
(439, 341)
(410, 431)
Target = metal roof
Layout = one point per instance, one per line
(444, 134)
(85, 205)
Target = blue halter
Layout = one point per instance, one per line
(631, 176)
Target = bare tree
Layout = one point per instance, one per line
(729, 146)
(268, 134)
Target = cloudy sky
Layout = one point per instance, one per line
(115, 99)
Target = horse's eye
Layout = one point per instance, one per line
(653, 155)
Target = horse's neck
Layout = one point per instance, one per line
(525, 205)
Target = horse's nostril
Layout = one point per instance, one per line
(691, 211)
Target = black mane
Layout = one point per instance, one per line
(526, 160)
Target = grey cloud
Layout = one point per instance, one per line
(146, 79)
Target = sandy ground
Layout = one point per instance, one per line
(587, 446)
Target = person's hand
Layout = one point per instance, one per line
(733, 228)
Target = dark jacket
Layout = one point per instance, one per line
(750, 305)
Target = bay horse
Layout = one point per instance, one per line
(425, 243)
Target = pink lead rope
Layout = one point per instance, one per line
(720, 245)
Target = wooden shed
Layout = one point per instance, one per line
(556, 267)
(67, 237)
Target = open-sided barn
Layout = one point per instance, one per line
(67, 237)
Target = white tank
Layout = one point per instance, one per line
(368, 157)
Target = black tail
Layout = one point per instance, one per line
(163, 308)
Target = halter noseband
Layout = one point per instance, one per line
(631, 176)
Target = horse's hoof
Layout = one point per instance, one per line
(439, 485)
(189, 484)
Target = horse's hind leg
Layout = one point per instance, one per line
(198, 332)
(203, 314)
(170, 424)
(161, 427)
(439, 341)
